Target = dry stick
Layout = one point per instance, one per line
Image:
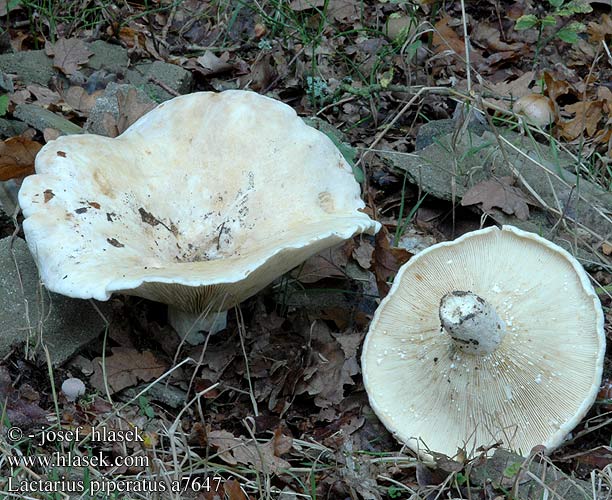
(466, 40)
(441, 90)
(169, 22)
(161, 84)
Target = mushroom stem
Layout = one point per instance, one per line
(472, 322)
(186, 323)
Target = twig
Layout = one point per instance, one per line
(466, 40)
(161, 84)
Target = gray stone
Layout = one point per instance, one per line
(112, 58)
(532, 478)
(29, 312)
(171, 75)
(450, 163)
(164, 393)
(32, 66)
(11, 128)
(40, 119)
(107, 104)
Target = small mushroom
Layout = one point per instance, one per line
(199, 204)
(497, 336)
(536, 108)
(73, 388)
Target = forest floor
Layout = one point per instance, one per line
(274, 406)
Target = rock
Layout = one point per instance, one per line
(171, 75)
(164, 393)
(40, 119)
(32, 66)
(451, 162)
(107, 104)
(112, 58)
(11, 128)
(507, 470)
(66, 324)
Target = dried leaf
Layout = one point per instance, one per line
(80, 100)
(233, 490)
(300, 5)
(214, 65)
(68, 54)
(363, 254)
(556, 88)
(126, 367)
(17, 157)
(599, 458)
(224, 441)
(131, 107)
(446, 38)
(386, 261)
(515, 89)
(587, 117)
(44, 95)
(598, 31)
(20, 410)
(498, 193)
(261, 75)
(50, 134)
(244, 451)
(330, 263)
(328, 370)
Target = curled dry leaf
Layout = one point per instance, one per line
(498, 193)
(17, 157)
(68, 54)
(556, 88)
(126, 367)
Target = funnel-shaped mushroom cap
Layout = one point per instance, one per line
(520, 357)
(204, 200)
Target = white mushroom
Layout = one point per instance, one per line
(199, 204)
(73, 388)
(496, 336)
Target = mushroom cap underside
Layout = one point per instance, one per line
(533, 389)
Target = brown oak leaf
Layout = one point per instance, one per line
(498, 193)
(126, 367)
(68, 54)
(17, 157)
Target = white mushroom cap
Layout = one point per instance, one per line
(529, 385)
(200, 203)
(73, 388)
